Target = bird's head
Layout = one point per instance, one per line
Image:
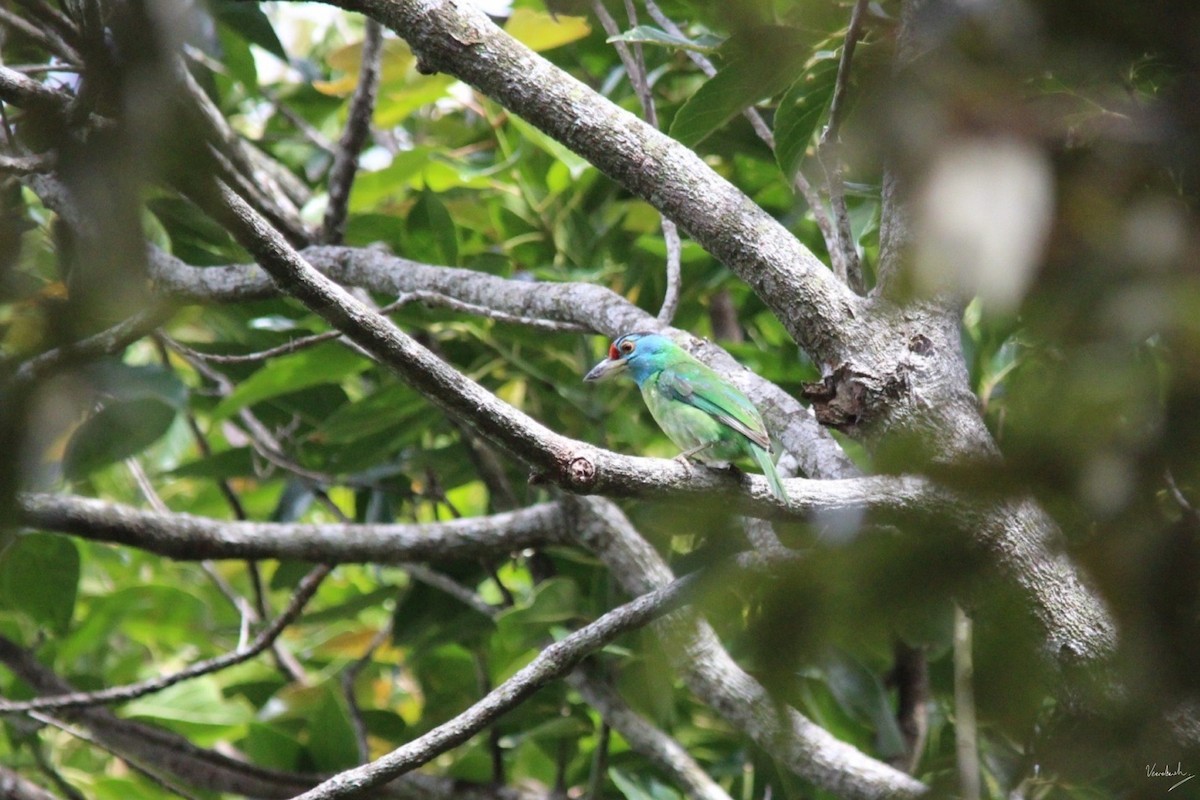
(639, 353)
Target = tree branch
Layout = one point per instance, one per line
(829, 154)
(188, 538)
(358, 126)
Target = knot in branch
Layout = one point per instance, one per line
(581, 472)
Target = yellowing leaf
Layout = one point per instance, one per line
(397, 59)
(539, 31)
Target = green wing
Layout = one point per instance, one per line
(695, 384)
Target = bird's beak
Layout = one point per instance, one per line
(606, 368)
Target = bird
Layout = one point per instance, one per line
(702, 413)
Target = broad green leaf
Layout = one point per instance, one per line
(124, 788)
(232, 463)
(431, 235)
(325, 363)
(635, 786)
(575, 163)
(648, 34)
(397, 103)
(120, 381)
(196, 708)
(167, 615)
(861, 694)
(373, 188)
(239, 60)
(249, 21)
(331, 740)
(39, 577)
(803, 110)
(117, 431)
(540, 31)
(267, 746)
(373, 414)
(759, 64)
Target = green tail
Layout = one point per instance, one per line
(763, 457)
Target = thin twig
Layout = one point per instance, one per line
(109, 341)
(828, 152)
(635, 67)
(358, 127)
(47, 38)
(54, 775)
(599, 768)
(966, 744)
(84, 736)
(156, 502)
(349, 676)
(438, 299)
(119, 694)
(302, 126)
(62, 25)
(291, 346)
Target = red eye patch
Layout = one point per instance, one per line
(613, 355)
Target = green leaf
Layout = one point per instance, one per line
(196, 708)
(325, 363)
(576, 164)
(331, 740)
(249, 22)
(431, 235)
(634, 786)
(759, 63)
(39, 577)
(802, 111)
(120, 381)
(239, 60)
(117, 431)
(373, 188)
(648, 34)
(398, 104)
(267, 746)
(235, 463)
(374, 414)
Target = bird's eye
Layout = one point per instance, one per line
(626, 347)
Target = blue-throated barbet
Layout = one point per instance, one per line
(701, 412)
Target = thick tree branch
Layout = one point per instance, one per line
(186, 537)
(460, 39)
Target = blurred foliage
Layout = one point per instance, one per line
(1091, 386)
